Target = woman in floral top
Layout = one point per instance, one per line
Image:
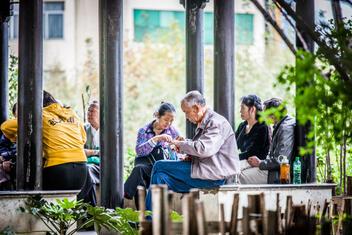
(152, 139)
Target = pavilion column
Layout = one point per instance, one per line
(305, 8)
(4, 58)
(30, 85)
(194, 51)
(224, 80)
(111, 100)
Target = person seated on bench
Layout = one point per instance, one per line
(282, 141)
(92, 151)
(212, 152)
(8, 160)
(152, 142)
(253, 139)
(63, 139)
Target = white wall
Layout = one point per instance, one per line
(58, 52)
(87, 26)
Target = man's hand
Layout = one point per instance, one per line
(187, 158)
(179, 138)
(163, 137)
(177, 143)
(7, 166)
(254, 161)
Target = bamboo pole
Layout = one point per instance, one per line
(234, 214)
(200, 216)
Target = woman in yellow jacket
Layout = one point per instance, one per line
(63, 140)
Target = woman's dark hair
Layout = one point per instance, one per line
(275, 103)
(253, 101)
(14, 109)
(48, 99)
(165, 107)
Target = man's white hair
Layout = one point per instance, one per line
(192, 98)
(94, 102)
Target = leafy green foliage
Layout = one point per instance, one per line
(13, 82)
(176, 217)
(324, 98)
(60, 217)
(129, 163)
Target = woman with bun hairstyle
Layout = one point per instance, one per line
(253, 139)
(152, 142)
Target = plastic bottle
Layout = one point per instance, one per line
(284, 171)
(297, 171)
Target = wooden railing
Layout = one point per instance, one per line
(296, 219)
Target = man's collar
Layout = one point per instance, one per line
(279, 122)
(205, 118)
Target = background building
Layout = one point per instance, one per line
(68, 24)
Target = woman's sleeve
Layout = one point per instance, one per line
(144, 146)
(9, 129)
(83, 133)
(238, 130)
(174, 132)
(256, 146)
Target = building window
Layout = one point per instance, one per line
(53, 21)
(152, 24)
(244, 29)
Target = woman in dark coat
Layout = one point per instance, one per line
(253, 139)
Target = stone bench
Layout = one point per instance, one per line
(10, 201)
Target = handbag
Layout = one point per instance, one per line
(157, 154)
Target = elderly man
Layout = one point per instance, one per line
(91, 149)
(282, 141)
(212, 152)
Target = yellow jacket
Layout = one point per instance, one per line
(63, 135)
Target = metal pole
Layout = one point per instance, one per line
(305, 8)
(224, 80)
(29, 160)
(194, 51)
(111, 97)
(4, 58)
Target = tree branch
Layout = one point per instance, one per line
(329, 53)
(275, 25)
(337, 13)
(299, 35)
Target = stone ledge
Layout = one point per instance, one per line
(10, 201)
(234, 187)
(45, 193)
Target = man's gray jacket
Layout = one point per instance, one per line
(282, 144)
(213, 149)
